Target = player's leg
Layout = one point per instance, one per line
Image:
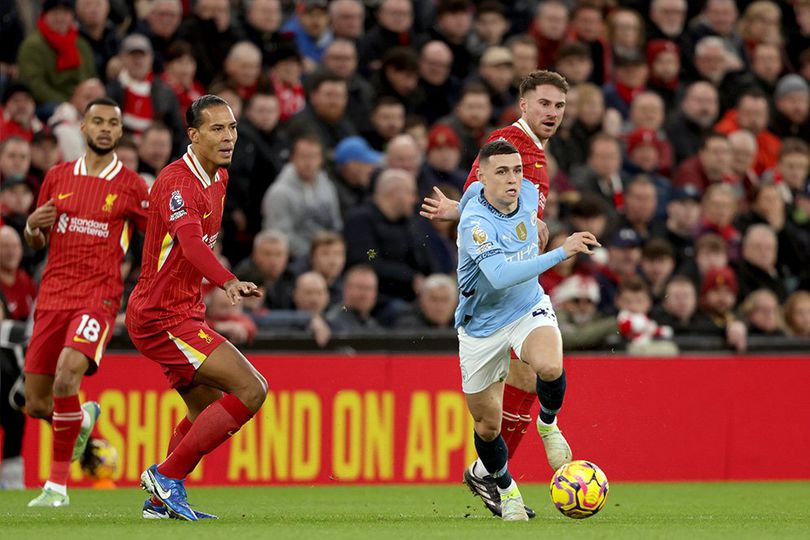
(197, 398)
(518, 398)
(226, 369)
(39, 395)
(66, 424)
(484, 365)
(245, 389)
(542, 350)
(485, 408)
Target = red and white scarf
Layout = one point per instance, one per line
(137, 109)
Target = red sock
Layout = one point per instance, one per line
(66, 425)
(177, 436)
(215, 424)
(516, 417)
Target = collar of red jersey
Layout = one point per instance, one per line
(109, 172)
(194, 165)
(523, 126)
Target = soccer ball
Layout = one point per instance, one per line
(579, 489)
(100, 460)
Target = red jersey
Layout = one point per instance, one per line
(20, 296)
(94, 221)
(532, 154)
(169, 290)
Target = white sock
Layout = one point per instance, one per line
(86, 420)
(59, 488)
(510, 488)
(540, 421)
(478, 470)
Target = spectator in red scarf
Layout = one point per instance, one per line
(631, 74)
(286, 69)
(664, 62)
(54, 58)
(718, 210)
(548, 30)
(181, 69)
(142, 97)
(18, 118)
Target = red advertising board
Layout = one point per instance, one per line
(402, 418)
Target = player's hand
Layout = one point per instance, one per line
(42, 217)
(542, 235)
(580, 242)
(236, 289)
(439, 207)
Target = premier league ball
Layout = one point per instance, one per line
(579, 489)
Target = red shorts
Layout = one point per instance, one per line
(179, 350)
(85, 330)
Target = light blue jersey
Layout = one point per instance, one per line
(498, 261)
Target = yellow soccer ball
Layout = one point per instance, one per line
(579, 489)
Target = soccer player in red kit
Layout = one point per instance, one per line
(85, 213)
(542, 105)
(166, 313)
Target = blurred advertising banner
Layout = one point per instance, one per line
(402, 418)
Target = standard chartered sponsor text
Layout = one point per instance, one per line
(89, 227)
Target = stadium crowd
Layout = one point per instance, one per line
(684, 149)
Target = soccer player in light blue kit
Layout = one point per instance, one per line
(502, 306)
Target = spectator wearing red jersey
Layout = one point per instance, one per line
(752, 113)
(18, 118)
(16, 284)
(711, 165)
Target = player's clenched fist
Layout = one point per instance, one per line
(580, 242)
(42, 217)
(236, 289)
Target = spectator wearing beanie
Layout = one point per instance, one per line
(443, 158)
(664, 62)
(792, 100)
(54, 59)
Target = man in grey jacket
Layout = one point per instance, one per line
(303, 200)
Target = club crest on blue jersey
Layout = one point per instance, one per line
(176, 202)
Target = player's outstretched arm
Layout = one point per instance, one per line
(200, 255)
(503, 274)
(440, 207)
(38, 222)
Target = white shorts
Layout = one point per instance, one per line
(485, 360)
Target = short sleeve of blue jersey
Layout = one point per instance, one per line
(478, 238)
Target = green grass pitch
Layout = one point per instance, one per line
(733, 510)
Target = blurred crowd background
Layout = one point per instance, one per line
(684, 148)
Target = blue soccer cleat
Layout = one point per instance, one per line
(154, 511)
(159, 511)
(169, 491)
